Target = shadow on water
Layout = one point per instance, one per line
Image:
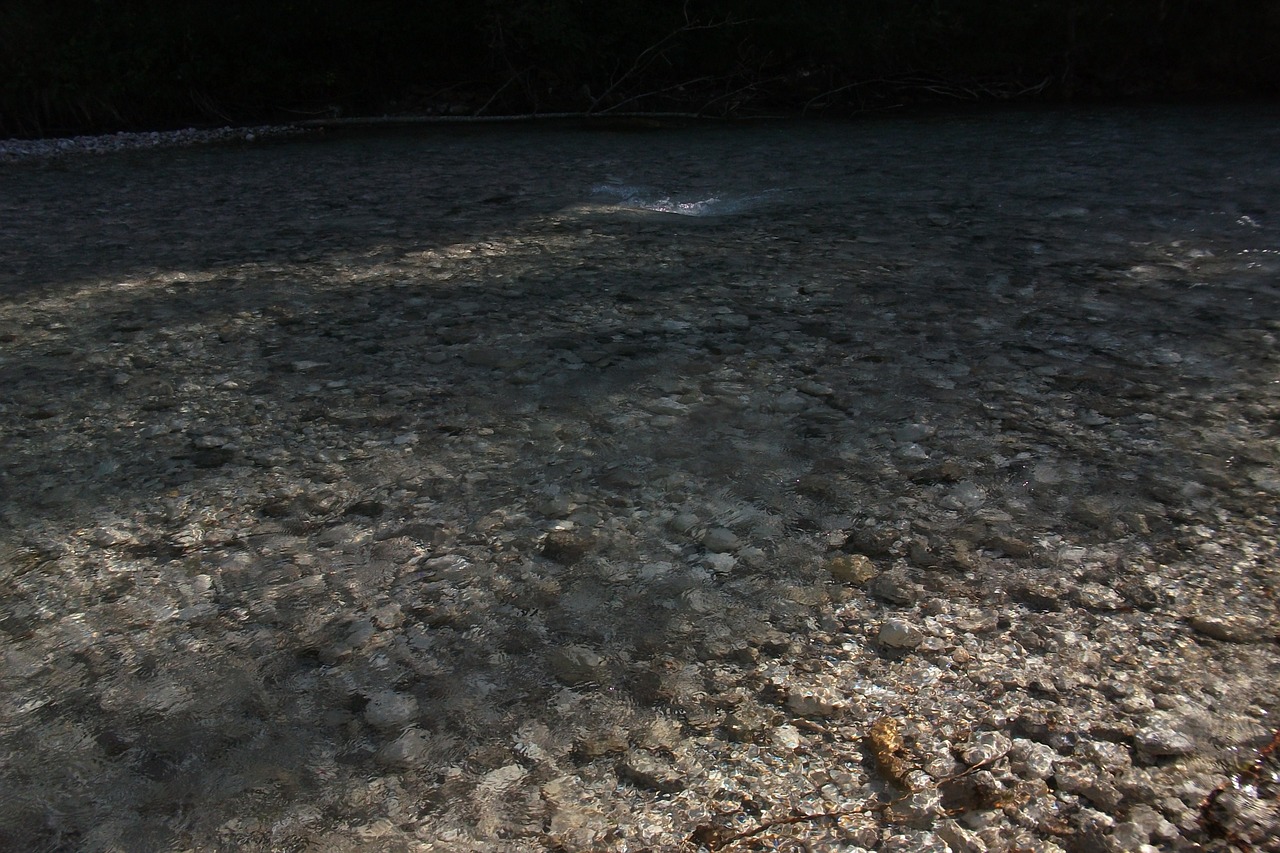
(307, 431)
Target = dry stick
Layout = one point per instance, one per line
(695, 80)
(837, 91)
(501, 89)
(1209, 822)
(754, 84)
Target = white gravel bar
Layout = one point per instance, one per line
(12, 150)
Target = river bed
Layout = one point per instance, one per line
(902, 484)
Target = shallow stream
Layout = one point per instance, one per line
(543, 488)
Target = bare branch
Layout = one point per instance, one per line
(657, 51)
(501, 89)
(633, 98)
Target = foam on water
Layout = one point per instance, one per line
(689, 204)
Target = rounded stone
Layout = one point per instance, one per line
(720, 540)
(410, 749)
(851, 568)
(1032, 760)
(900, 634)
(1229, 629)
(787, 737)
(985, 748)
(684, 522)
(648, 770)
(390, 710)
(1160, 741)
(576, 665)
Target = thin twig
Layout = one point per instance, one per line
(709, 838)
(629, 100)
(654, 51)
(500, 90)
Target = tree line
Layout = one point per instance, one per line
(97, 65)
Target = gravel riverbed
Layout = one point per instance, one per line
(902, 485)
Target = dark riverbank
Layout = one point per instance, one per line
(146, 65)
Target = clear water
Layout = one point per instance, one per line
(325, 461)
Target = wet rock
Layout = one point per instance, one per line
(984, 748)
(720, 540)
(396, 550)
(411, 749)
(786, 737)
(357, 635)
(1032, 760)
(1076, 778)
(814, 389)
(1111, 757)
(959, 839)
(918, 807)
(667, 406)
(390, 710)
(366, 508)
(815, 702)
(1162, 740)
(721, 564)
(566, 547)
(1099, 598)
(747, 723)
(577, 828)
(895, 588)
(1008, 545)
(871, 541)
(1038, 595)
(684, 522)
(1142, 593)
(965, 497)
(852, 569)
(1230, 628)
(946, 471)
(899, 634)
(1144, 825)
(499, 781)
(111, 537)
(790, 402)
(646, 769)
(492, 357)
(555, 506)
(605, 739)
(963, 555)
(577, 665)
(212, 457)
(908, 433)
(924, 554)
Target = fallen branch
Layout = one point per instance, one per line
(657, 50)
(672, 87)
(885, 745)
(513, 78)
(376, 121)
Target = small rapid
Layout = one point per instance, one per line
(623, 195)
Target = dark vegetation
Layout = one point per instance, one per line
(96, 65)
